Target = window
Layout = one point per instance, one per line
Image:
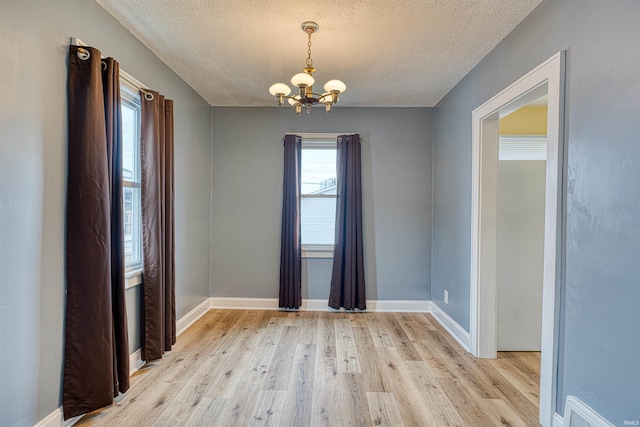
(132, 207)
(318, 190)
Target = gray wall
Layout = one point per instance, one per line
(247, 199)
(600, 336)
(33, 55)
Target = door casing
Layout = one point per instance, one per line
(483, 306)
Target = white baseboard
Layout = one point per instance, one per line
(583, 413)
(244, 303)
(422, 306)
(314, 305)
(56, 419)
(403, 306)
(135, 361)
(192, 317)
(557, 421)
(451, 326)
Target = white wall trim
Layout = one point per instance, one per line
(402, 306)
(419, 306)
(558, 421)
(482, 330)
(51, 420)
(315, 305)
(55, 419)
(575, 407)
(192, 317)
(451, 326)
(135, 361)
(244, 303)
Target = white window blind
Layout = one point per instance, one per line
(318, 220)
(523, 147)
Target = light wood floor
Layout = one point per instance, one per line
(246, 368)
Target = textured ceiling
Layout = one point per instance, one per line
(390, 53)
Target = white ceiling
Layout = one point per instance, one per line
(390, 53)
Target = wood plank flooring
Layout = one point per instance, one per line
(271, 368)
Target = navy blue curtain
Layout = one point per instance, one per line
(290, 242)
(347, 279)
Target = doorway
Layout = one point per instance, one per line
(522, 155)
(547, 78)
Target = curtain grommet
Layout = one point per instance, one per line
(148, 96)
(83, 54)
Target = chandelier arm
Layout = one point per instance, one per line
(322, 97)
(319, 96)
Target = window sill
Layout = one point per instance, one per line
(325, 252)
(132, 278)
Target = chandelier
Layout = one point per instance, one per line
(304, 81)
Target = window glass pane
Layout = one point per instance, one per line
(318, 219)
(318, 172)
(132, 207)
(129, 145)
(132, 226)
(128, 225)
(137, 226)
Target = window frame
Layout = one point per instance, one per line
(130, 96)
(318, 141)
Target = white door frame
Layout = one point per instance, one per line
(483, 333)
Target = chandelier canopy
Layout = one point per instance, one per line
(304, 81)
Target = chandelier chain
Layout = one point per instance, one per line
(309, 60)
